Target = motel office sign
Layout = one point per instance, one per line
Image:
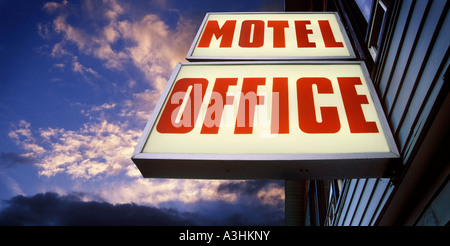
(270, 119)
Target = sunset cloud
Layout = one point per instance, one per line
(158, 48)
(160, 191)
(22, 136)
(149, 43)
(141, 105)
(77, 67)
(53, 6)
(97, 149)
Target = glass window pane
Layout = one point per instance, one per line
(366, 8)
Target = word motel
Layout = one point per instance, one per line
(283, 36)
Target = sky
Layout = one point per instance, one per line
(78, 83)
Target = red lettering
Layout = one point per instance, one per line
(252, 33)
(278, 33)
(306, 110)
(352, 103)
(302, 34)
(280, 106)
(327, 34)
(215, 110)
(170, 121)
(246, 40)
(212, 28)
(247, 104)
(186, 98)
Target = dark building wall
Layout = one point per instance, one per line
(410, 77)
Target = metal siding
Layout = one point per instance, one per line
(409, 78)
(371, 203)
(347, 195)
(413, 135)
(354, 202)
(363, 201)
(428, 87)
(403, 61)
(417, 58)
(366, 201)
(392, 54)
(383, 193)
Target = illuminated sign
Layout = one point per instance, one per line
(272, 120)
(270, 36)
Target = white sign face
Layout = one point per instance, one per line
(272, 111)
(269, 36)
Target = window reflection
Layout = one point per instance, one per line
(366, 8)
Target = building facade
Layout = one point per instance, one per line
(405, 46)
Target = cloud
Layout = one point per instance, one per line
(162, 192)
(76, 209)
(96, 42)
(103, 149)
(141, 105)
(268, 192)
(77, 67)
(44, 30)
(102, 109)
(72, 34)
(50, 209)
(209, 199)
(203, 197)
(149, 43)
(98, 148)
(157, 48)
(53, 6)
(22, 136)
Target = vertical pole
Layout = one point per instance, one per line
(294, 202)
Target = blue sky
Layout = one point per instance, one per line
(78, 82)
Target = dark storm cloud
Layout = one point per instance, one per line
(51, 209)
(70, 210)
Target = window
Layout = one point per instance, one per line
(376, 29)
(366, 20)
(366, 8)
(374, 12)
(316, 205)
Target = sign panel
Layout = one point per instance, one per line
(271, 36)
(273, 120)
